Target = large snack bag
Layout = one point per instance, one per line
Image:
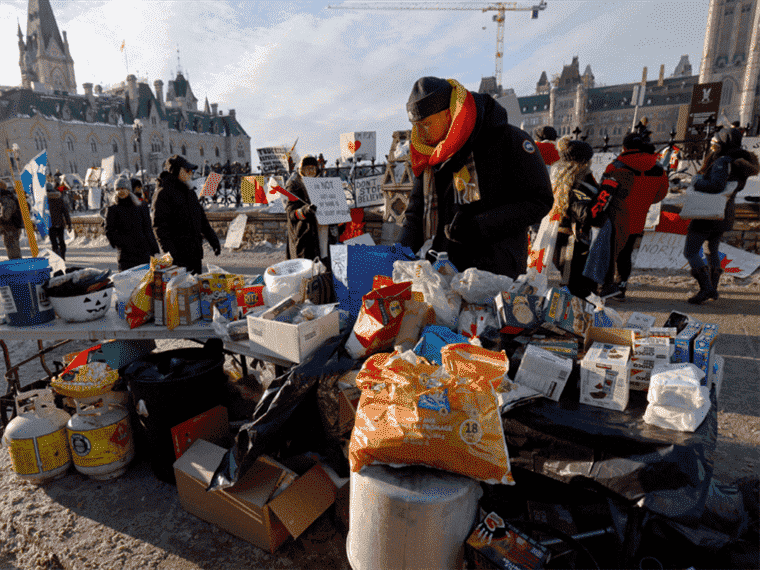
(139, 308)
(416, 413)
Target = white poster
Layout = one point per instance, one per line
(599, 162)
(653, 217)
(236, 232)
(93, 176)
(751, 188)
(659, 250)
(369, 192)
(273, 158)
(107, 166)
(328, 196)
(359, 145)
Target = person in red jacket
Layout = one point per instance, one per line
(635, 181)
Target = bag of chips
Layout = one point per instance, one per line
(412, 412)
(139, 308)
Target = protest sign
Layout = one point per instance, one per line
(599, 162)
(107, 166)
(369, 192)
(358, 145)
(273, 159)
(252, 190)
(328, 196)
(236, 232)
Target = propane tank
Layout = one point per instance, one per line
(36, 437)
(100, 438)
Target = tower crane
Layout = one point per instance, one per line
(499, 7)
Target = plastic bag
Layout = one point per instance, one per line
(436, 291)
(379, 320)
(478, 286)
(417, 315)
(474, 319)
(125, 282)
(139, 309)
(413, 412)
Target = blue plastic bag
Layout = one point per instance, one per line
(354, 267)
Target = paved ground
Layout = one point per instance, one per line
(136, 521)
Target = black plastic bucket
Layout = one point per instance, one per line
(174, 386)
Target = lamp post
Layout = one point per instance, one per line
(138, 129)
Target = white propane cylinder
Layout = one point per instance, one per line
(36, 438)
(101, 438)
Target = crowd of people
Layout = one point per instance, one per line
(484, 191)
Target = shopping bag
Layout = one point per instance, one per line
(600, 254)
(703, 206)
(355, 266)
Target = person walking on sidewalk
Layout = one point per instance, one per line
(128, 227)
(726, 161)
(59, 217)
(11, 221)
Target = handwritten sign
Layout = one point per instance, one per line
(359, 145)
(660, 250)
(599, 162)
(369, 192)
(328, 196)
(273, 159)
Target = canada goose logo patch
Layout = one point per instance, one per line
(528, 147)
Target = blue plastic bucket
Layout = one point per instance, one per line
(22, 298)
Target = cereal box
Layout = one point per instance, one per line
(605, 376)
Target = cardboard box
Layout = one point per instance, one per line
(509, 549)
(641, 371)
(568, 312)
(212, 426)
(684, 343)
(703, 348)
(250, 296)
(605, 376)
(624, 337)
(219, 290)
(544, 371)
(566, 348)
(189, 304)
(294, 343)
(250, 509)
(639, 321)
(348, 401)
(161, 278)
(518, 312)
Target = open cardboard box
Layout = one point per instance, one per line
(259, 508)
(294, 343)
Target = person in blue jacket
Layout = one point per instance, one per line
(725, 162)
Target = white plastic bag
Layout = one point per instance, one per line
(286, 279)
(675, 418)
(677, 399)
(436, 292)
(478, 286)
(125, 282)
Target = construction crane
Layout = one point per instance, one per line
(499, 7)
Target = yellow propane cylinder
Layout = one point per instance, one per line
(100, 437)
(36, 437)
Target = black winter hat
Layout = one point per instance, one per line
(177, 161)
(309, 160)
(545, 133)
(574, 151)
(430, 95)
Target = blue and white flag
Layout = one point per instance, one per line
(33, 179)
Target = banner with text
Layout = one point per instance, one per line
(328, 196)
(369, 192)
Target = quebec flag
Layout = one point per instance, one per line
(33, 179)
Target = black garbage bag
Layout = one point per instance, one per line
(288, 406)
(168, 388)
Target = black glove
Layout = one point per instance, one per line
(462, 229)
(217, 249)
(309, 209)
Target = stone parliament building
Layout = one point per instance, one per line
(79, 130)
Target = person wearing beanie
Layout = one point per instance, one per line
(479, 181)
(545, 138)
(303, 232)
(59, 217)
(179, 222)
(11, 221)
(575, 192)
(128, 227)
(726, 161)
(633, 181)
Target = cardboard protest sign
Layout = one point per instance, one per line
(653, 217)
(92, 177)
(107, 166)
(328, 196)
(358, 145)
(369, 192)
(252, 190)
(273, 158)
(211, 184)
(236, 231)
(599, 162)
(660, 250)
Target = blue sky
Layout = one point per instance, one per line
(300, 70)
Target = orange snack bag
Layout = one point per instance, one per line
(139, 308)
(413, 412)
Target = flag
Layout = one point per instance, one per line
(252, 190)
(209, 187)
(33, 179)
(123, 44)
(274, 187)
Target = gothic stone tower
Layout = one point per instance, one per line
(731, 54)
(44, 57)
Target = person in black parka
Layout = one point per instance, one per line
(479, 181)
(128, 227)
(59, 217)
(179, 221)
(303, 233)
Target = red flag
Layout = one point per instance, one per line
(209, 187)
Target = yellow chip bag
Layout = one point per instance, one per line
(416, 413)
(139, 308)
